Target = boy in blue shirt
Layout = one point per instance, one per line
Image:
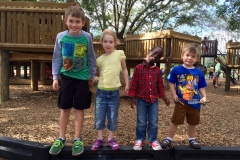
(187, 85)
(74, 61)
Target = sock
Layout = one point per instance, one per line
(62, 139)
(191, 139)
(169, 138)
(76, 139)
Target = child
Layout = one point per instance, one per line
(107, 97)
(74, 60)
(216, 74)
(187, 85)
(211, 70)
(147, 87)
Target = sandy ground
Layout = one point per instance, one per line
(33, 115)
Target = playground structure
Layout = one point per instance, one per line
(28, 31)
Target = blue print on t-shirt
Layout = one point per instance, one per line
(68, 49)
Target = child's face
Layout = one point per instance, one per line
(108, 43)
(189, 59)
(74, 25)
(154, 56)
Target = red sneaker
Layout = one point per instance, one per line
(155, 145)
(138, 145)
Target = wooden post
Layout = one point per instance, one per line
(25, 70)
(34, 75)
(4, 76)
(227, 81)
(168, 63)
(18, 70)
(43, 72)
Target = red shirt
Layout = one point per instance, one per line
(146, 83)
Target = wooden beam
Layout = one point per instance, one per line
(18, 56)
(27, 47)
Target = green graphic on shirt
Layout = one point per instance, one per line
(80, 49)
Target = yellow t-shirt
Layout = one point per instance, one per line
(211, 69)
(110, 67)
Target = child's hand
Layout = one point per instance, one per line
(166, 100)
(55, 85)
(175, 98)
(203, 100)
(91, 82)
(126, 89)
(133, 102)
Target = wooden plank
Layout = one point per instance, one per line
(59, 26)
(42, 29)
(25, 29)
(17, 56)
(26, 47)
(31, 28)
(34, 4)
(40, 10)
(20, 27)
(9, 31)
(53, 28)
(48, 29)
(37, 28)
(3, 27)
(14, 27)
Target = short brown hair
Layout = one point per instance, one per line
(192, 48)
(75, 11)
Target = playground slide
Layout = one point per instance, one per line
(222, 60)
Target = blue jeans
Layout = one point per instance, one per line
(147, 120)
(107, 104)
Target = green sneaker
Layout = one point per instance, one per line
(57, 146)
(77, 147)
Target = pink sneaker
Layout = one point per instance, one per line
(113, 144)
(97, 144)
(155, 145)
(138, 145)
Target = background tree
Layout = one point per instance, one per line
(230, 12)
(140, 16)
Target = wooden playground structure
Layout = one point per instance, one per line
(27, 36)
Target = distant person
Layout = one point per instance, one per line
(187, 85)
(145, 89)
(75, 61)
(48, 72)
(110, 64)
(211, 71)
(205, 45)
(216, 74)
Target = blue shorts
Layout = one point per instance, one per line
(106, 105)
(74, 93)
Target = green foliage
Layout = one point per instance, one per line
(230, 12)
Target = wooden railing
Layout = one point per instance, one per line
(137, 46)
(31, 22)
(233, 54)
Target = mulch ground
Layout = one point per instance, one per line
(33, 116)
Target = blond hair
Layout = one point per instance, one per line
(75, 11)
(193, 48)
(109, 32)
